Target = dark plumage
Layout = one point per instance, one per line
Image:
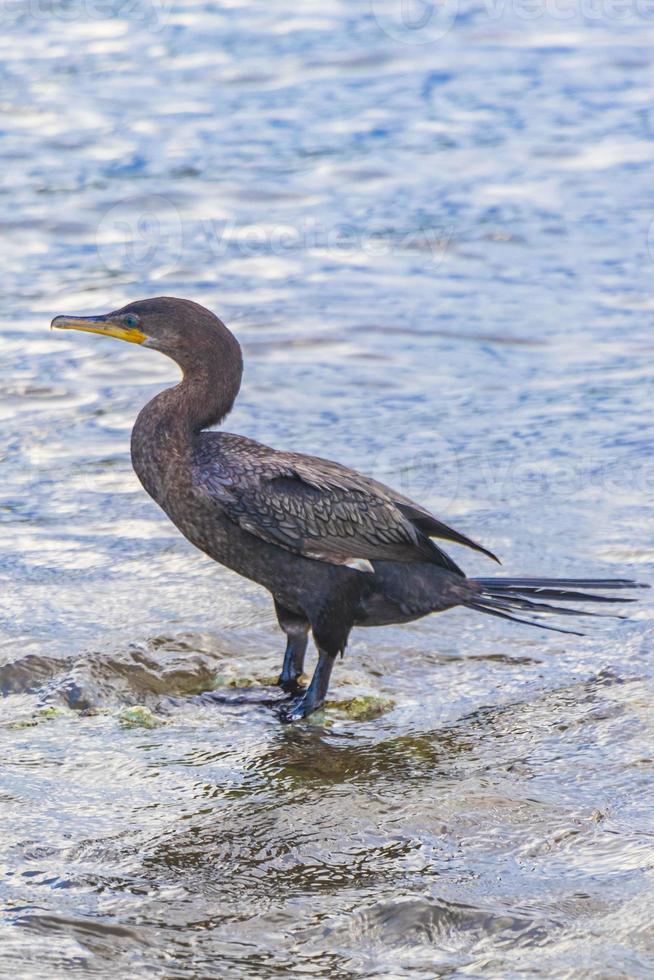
(335, 548)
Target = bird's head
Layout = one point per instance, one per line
(185, 331)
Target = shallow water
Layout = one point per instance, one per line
(436, 248)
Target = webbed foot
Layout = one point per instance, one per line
(298, 709)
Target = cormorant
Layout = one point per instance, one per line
(336, 549)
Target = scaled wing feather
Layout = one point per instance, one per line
(317, 508)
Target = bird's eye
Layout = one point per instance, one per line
(131, 320)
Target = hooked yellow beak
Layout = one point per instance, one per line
(103, 325)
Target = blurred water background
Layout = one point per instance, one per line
(431, 229)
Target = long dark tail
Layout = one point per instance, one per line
(504, 597)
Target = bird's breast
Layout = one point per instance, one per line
(161, 457)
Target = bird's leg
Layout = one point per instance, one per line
(296, 647)
(297, 635)
(331, 628)
(314, 696)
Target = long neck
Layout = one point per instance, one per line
(167, 426)
(208, 389)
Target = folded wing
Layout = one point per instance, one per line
(317, 508)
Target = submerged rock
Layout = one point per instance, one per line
(138, 716)
(363, 707)
(44, 714)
